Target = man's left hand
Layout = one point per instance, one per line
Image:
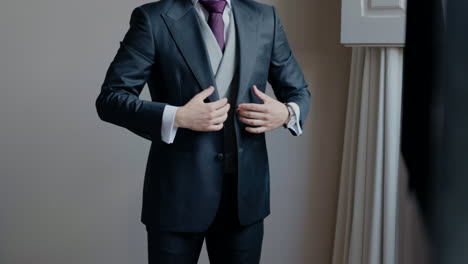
(263, 117)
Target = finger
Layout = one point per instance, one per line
(221, 111)
(219, 119)
(205, 93)
(252, 122)
(262, 96)
(253, 107)
(256, 130)
(252, 114)
(215, 127)
(218, 103)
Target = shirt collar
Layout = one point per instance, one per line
(228, 2)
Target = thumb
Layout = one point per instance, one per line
(205, 93)
(260, 94)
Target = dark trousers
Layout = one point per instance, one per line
(227, 242)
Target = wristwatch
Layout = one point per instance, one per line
(291, 117)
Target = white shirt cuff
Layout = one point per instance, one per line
(295, 126)
(168, 128)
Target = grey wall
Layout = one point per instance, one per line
(70, 189)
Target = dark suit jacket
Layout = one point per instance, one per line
(164, 48)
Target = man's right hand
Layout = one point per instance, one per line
(200, 116)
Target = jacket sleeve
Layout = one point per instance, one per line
(118, 102)
(285, 75)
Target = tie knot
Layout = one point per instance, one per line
(213, 6)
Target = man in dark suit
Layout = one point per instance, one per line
(202, 60)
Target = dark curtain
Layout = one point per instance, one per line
(435, 121)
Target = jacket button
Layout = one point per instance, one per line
(220, 156)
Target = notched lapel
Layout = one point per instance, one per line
(183, 25)
(246, 25)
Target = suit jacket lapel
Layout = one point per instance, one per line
(246, 25)
(181, 20)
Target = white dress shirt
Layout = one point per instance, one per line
(168, 128)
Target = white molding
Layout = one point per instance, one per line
(374, 23)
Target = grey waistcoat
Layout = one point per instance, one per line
(225, 69)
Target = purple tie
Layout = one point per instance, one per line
(216, 8)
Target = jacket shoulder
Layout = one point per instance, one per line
(156, 8)
(262, 7)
